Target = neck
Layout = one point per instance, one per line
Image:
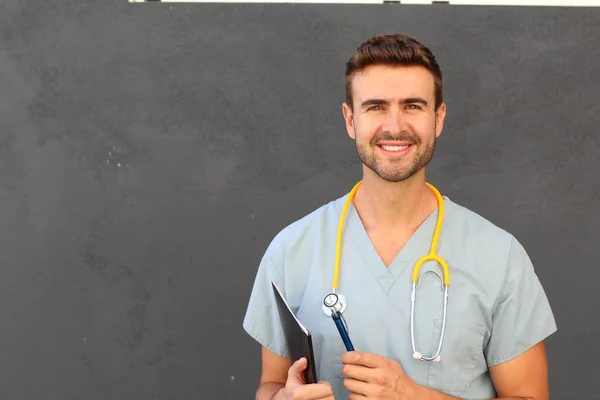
(394, 206)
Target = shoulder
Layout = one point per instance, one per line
(489, 253)
(481, 235)
(475, 223)
(315, 226)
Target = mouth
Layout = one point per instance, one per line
(395, 150)
(388, 147)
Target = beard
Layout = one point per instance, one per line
(395, 171)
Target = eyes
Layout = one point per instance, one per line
(411, 106)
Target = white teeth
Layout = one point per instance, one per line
(394, 148)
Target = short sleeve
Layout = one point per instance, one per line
(523, 316)
(261, 321)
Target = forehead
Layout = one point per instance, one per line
(393, 82)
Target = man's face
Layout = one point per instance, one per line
(394, 122)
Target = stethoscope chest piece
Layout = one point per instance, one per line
(335, 301)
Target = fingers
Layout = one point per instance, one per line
(328, 391)
(329, 397)
(322, 391)
(362, 373)
(315, 391)
(357, 387)
(367, 359)
(297, 389)
(356, 396)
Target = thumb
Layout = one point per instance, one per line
(297, 368)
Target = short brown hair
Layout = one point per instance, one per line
(393, 49)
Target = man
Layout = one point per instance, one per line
(497, 312)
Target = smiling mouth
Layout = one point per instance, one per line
(394, 148)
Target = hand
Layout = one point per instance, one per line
(371, 376)
(296, 387)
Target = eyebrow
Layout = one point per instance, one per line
(409, 100)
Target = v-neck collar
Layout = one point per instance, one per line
(417, 246)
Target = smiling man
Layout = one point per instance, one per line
(485, 342)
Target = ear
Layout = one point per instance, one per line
(440, 116)
(349, 118)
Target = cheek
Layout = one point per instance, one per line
(365, 130)
(426, 128)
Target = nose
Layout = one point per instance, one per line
(394, 122)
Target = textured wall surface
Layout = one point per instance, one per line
(150, 152)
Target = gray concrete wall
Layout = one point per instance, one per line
(149, 153)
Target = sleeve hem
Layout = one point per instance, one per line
(499, 360)
(262, 341)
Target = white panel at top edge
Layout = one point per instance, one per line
(541, 3)
(571, 3)
(277, 1)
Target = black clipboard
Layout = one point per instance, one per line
(298, 338)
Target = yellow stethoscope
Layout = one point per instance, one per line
(337, 302)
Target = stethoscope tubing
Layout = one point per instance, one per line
(335, 310)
